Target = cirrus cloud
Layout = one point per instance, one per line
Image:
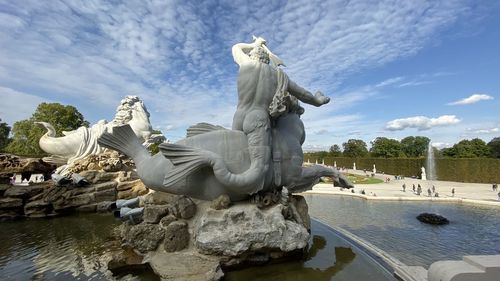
(472, 99)
(421, 122)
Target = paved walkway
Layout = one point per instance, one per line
(474, 193)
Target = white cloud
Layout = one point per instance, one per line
(441, 145)
(485, 131)
(472, 99)
(421, 122)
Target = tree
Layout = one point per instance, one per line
(355, 148)
(335, 150)
(4, 134)
(26, 134)
(387, 148)
(415, 146)
(494, 146)
(468, 149)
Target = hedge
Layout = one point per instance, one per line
(479, 170)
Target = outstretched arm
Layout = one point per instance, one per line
(305, 96)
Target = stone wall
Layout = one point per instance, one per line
(47, 199)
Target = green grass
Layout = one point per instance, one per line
(358, 179)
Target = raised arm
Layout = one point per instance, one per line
(240, 51)
(305, 96)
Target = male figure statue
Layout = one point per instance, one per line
(263, 93)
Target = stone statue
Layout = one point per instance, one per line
(423, 176)
(262, 152)
(79, 143)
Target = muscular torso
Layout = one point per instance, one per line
(257, 84)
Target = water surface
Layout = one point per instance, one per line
(392, 226)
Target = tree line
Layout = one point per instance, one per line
(26, 133)
(411, 147)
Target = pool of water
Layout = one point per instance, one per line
(65, 248)
(392, 226)
(329, 257)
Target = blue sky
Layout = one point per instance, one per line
(392, 68)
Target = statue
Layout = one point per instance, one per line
(79, 143)
(354, 166)
(262, 152)
(423, 175)
(374, 170)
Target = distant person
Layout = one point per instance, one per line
(495, 186)
(352, 190)
(453, 192)
(433, 189)
(36, 178)
(42, 178)
(498, 196)
(413, 188)
(429, 192)
(363, 192)
(404, 187)
(419, 189)
(436, 194)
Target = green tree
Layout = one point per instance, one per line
(355, 148)
(335, 150)
(415, 146)
(494, 146)
(385, 147)
(468, 149)
(26, 134)
(4, 134)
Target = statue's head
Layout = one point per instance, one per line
(259, 54)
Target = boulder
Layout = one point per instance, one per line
(143, 237)
(244, 229)
(167, 220)
(160, 198)
(176, 236)
(79, 200)
(185, 207)
(154, 213)
(430, 218)
(125, 185)
(90, 208)
(302, 211)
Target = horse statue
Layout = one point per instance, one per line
(79, 143)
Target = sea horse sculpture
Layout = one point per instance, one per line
(262, 152)
(79, 143)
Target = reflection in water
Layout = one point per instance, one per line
(66, 248)
(328, 258)
(393, 227)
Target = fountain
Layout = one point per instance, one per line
(430, 163)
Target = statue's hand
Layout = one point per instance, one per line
(320, 98)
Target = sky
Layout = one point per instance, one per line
(391, 68)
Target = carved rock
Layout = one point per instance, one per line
(176, 236)
(244, 228)
(37, 208)
(9, 203)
